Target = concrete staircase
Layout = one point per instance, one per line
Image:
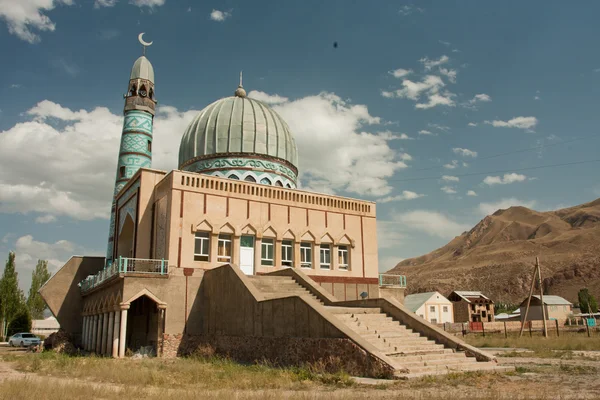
(406, 349)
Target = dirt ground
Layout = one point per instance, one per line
(576, 377)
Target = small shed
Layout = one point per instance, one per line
(44, 327)
(432, 306)
(556, 307)
(472, 306)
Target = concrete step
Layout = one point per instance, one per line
(412, 365)
(270, 278)
(367, 317)
(388, 333)
(490, 366)
(408, 353)
(426, 357)
(409, 349)
(353, 310)
(362, 326)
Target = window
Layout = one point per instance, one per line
(266, 252)
(306, 255)
(343, 257)
(431, 308)
(325, 253)
(201, 246)
(250, 178)
(224, 248)
(434, 320)
(287, 253)
(122, 172)
(265, 181)
(149, 145)
(278, 183)
(233, 176)
(445, 309)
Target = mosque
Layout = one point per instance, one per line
(227, 251)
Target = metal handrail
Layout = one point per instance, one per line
(124, 265)
(392, 280)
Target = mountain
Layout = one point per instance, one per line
(498, 254)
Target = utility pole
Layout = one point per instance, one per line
(537, 273)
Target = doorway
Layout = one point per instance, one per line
(247, 254)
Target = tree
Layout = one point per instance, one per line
(20, 323)
(587, 302)
(35, 303)
(12, 299)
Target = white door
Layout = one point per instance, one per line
(247, 254)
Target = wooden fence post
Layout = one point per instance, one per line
(505, 333)
(530, 323)
(587, 326)
(557, 330)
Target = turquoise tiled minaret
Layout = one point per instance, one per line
(135, 151)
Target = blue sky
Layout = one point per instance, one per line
(414, 90)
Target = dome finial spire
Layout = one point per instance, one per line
(240, 92)
(144, 43)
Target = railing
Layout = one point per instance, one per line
(124, 265)
(392, 280)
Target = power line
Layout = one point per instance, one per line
(498, 171)
(518, 151)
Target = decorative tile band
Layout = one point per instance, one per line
(227, 165)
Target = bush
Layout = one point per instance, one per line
(21, 323)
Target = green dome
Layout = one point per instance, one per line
(238, 126)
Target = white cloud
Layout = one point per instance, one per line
(451, 165)
(471, 193)
(267, 98)
(437, 99)
(448, 189)
(78, 150)
(425, 132)
(536, 97)
(147, 3)
(506, 179)
(68, 67)
(104, 3)
(15, 86)
(29, 251)
(401, 72)
(480, 98)
(407, 10)
(464, 152)
(526, 123)
(438, 126)
(388, 235)
(427, 92)
(450, 178)
(429, 64)
(405, 156)
(432, 223)
(472, 124)
(45, 219)
(24, 17)
(406, 195)
(346, 158)
(490, 208)
(388, 135)
(444, 43)
(219, 16)
(449, 73)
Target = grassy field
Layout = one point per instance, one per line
(49, 376)
(566, 342)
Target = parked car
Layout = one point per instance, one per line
(24, 339)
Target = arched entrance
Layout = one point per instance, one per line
(126, 236)
(144, 325)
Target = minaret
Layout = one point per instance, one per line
(135, 151)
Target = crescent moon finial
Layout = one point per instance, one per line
(144, 43)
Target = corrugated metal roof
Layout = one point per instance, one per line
(464, 294)
(553, 300)
(414, 301)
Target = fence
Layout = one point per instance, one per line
(125, 265)
(392, 280)
(504, 327)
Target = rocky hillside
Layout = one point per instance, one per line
(497, 255)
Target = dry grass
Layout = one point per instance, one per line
(198, 372)
(566, 342)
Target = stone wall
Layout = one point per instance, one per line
(331, 354)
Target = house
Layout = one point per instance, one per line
(431, 306)
(513, 316)
(556, 308)
(45, 326)
(471, 307)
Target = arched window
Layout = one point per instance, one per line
(132, 90)
(142, 91)
(265, 181)
(151, 94)
(234, 176)
(250, 178)
(288, 186)
(278, 183)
